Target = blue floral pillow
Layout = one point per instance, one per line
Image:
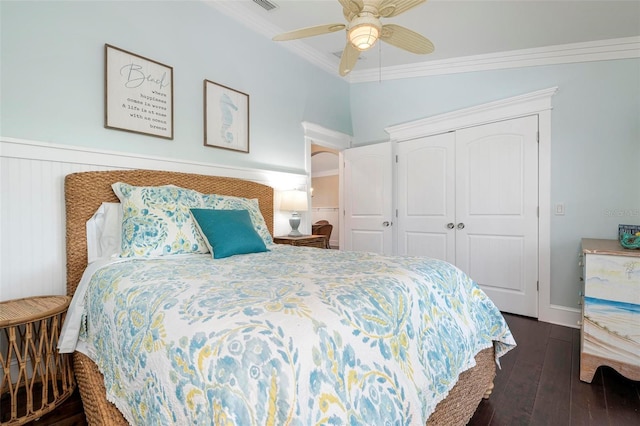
(157, 220)
(227, 202)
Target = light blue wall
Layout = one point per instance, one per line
(52, 77)
(52, 90)
(595, 141)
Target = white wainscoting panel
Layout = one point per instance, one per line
(32, 226)
(32, 212)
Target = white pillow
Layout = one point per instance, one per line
(104, 232)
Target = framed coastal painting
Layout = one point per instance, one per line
(138, 94)
(226, 117)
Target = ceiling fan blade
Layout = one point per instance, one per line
(354, 6)
(391, 8)
(349, 58)
(351, 8)
(309, 32)
(406, 39)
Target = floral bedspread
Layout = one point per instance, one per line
(297, 336)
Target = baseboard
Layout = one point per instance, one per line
(561, 315)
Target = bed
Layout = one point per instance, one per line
(325, 375)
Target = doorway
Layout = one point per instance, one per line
(325, 140)
(325, 184)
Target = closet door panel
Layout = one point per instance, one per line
(502, 267)
(426, 197)
(496, 211)
(494, 168)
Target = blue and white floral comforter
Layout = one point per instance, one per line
(297, 336)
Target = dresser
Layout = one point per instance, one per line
(610, 329)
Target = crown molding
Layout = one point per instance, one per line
(599, 50)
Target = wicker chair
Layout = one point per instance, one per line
(324, 228)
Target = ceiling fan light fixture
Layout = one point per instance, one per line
(364, 31)
(363, 36)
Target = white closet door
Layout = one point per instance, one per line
(426, 197)
(368, 199)
(496, 211)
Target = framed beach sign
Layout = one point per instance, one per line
(138, 94)
(226, 117)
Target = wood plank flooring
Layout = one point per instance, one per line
(538, 385)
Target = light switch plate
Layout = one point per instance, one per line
(558, 209)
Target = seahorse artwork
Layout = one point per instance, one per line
(227, 109)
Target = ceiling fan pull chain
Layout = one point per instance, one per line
(379, 62)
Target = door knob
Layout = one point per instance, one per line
(450, 225)
(386, 223)
(461, 225)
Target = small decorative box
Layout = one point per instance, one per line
(629, 236)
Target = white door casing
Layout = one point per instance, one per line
(319, 135)
(368, 190)
(497, 211)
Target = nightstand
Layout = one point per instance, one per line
(317, 241)
(37, 373)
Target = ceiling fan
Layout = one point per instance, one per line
(364, 29)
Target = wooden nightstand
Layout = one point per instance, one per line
(29, 330)
(317, 241)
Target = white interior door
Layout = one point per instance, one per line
(497, 211)
(367, 198)
(426, 197)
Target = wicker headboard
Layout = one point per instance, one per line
(85, 191)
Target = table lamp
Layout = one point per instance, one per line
(294, 201)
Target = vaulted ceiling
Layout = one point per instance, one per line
(470, 31)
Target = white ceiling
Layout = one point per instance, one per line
(458, 29)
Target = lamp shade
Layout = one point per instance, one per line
(295, 201)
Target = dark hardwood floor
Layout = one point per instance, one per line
(538, 385)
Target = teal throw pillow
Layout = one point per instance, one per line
(228, 202)
(228, 232)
